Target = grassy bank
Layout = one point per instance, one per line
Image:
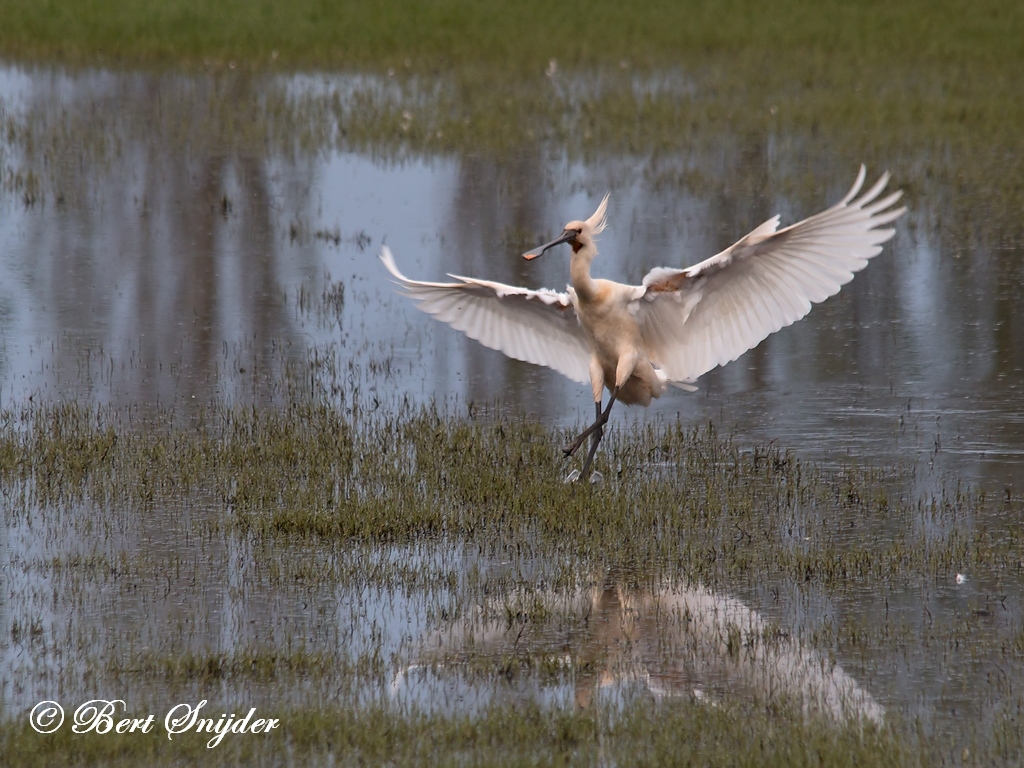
(516, 37)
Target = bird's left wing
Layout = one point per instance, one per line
(695, 319)
(538, 327)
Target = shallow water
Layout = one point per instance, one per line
(168, 268)
(173, 274)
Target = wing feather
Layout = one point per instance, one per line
(693, 320)
(538, 327)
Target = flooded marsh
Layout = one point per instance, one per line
(436, 568)
(235, 466)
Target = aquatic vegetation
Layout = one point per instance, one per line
(953, 150)
(310, 471)
(500, 736)
(333, 545)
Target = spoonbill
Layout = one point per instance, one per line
(678, 324)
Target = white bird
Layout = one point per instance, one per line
(678, 324)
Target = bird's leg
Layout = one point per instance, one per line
(597, 385)
(574, 446)
(596, 427)
(594, 442)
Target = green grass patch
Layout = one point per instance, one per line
(517, 37)
(684, 733)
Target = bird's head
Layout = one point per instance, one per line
(579, 234)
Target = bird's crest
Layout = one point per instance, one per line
(599, 220)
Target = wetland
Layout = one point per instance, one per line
(235, 466)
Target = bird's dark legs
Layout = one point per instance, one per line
(596, 429)
(595, 440)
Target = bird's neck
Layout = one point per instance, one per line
(579, 273)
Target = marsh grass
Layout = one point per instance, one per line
(690, 501)
(684, 733)
(312, 498)
(523, 36)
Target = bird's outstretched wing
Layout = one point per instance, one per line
(536, 326)
(695, 319)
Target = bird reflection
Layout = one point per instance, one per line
(610, 639)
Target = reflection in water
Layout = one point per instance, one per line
(166, 258)
(612, 638)
(486, 200)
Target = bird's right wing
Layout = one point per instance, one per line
(537, 327)
(695, 319)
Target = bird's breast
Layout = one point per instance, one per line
(610, 329)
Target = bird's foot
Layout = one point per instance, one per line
(595, 479)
